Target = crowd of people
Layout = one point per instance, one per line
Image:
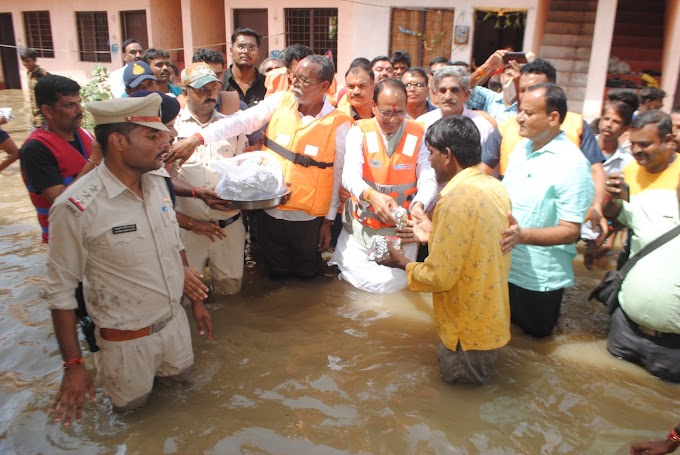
(499, 184)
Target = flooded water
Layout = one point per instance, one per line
(321, 368)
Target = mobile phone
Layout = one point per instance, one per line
(519, 57)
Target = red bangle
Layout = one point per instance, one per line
(195, 191)
(73, 362)
(674, 436)
(200, 138)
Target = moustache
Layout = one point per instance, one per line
(352, 97)
(210, 100)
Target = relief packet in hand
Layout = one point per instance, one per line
(378, 251)
(401, 215)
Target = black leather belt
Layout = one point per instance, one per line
(228, 221)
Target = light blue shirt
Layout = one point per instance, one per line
(483, 99)
(551, 184)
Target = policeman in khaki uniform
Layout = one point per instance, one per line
(223, 252)
(115, 230)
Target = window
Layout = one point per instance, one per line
(423, 33)
(38, 30)
(93, 36)
(313, 27)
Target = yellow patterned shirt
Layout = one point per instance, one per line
(466, 271)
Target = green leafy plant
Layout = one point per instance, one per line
(97, 89)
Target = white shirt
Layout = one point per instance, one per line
(256, 117)
(617, 161)
(483, 125)
(198, 169)
(116, 82)
(352, 174)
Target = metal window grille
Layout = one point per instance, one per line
(423, 33)
(313, 27)
(93, 36)
(38, 31)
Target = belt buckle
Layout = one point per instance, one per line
(158, 326)
(302, 160)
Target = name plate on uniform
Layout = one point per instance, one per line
(124, 229)
(409, 145)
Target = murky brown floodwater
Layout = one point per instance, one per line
(320, 368)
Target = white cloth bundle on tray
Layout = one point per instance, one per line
(253, 176)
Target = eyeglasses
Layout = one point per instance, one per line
(415, 85)
(246, 47)
(303, 80)
(392, 114)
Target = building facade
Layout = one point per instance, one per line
(578, 36)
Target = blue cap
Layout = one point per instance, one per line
(136, 72)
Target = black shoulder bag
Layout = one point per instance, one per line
(607, 291)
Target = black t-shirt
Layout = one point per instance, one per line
(255, 92)
(40, 166)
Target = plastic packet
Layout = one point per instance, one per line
(253, 176)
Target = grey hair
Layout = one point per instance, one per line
(458, 72)
(327, 68)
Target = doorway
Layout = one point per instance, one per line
(257, 20)
(8, 55)
(497, 30)
(133, 25)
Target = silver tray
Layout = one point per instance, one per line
(263, 204)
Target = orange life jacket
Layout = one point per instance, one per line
(395, 175)
(509, 129)
(311, 184)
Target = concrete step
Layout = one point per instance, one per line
(574, 53)
(553, 39)
(572, 79)
(576, 66)
(575, 106)
(575, 93)
(630, 53)
(575, 17)
(583, 5)
(639, 18)
(647, 42)
(621, 29)
(635, 5)
(569, 28)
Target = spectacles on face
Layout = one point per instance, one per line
(415, 85)
(392, 114)
(246, 47)
(303, 80)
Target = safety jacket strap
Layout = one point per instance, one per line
(296, 158)
(387, 189)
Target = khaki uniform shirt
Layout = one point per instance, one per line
(198, 170)
(124, 249)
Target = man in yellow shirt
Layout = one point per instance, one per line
(466, 271)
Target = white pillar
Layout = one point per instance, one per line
(599, 58)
